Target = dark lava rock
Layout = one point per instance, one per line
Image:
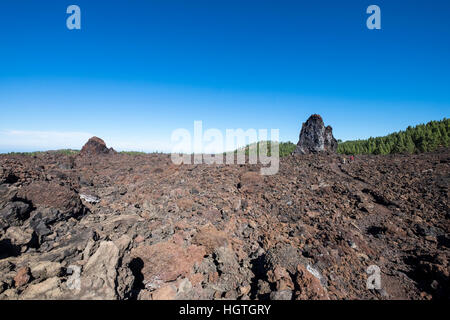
(54, 201)
(14, 213)
(285, 256)
(315, 137)
(41, 229)
(96, 146)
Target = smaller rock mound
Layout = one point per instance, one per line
(96, 146)
(315, 137)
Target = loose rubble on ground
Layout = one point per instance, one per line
(106, 225)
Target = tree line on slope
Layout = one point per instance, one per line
(421, 138)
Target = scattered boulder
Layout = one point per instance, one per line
(231, 276)
(281, 278)
(14, 214)
(21, 237)
(98, 279)
(54, 201)
(48, 289)
(166, 261)
(7, 193)
(309, 284)
(226, 261)
(211, 238)
(315, 137)
(168, 292)
(281, 295)
(101, 276)
(285, 256)
(46, 269)
(39, 226)
(22, 277)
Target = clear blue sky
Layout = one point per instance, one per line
(137, 70)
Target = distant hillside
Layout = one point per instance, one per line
(421, 138)
(66, 152)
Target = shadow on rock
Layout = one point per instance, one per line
(136, 265)
(8, 249)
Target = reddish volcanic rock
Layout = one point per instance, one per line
(22, 277)
(51, 195)
(309, 286)
(281, 278)
(96, 146)
(211, 238)
(167, 292)
(166, 261)
(251, 182)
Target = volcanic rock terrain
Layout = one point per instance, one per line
(106, 225)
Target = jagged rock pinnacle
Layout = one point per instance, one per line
(315, 137)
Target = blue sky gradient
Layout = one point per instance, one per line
(137, 70)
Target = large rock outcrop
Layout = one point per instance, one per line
(96, 146)
(315, 137)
